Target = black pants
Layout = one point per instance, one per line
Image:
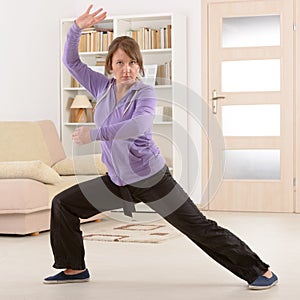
(167, 198)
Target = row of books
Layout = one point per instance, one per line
(92, 40)
(149, 38)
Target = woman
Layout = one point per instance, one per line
(136, 170)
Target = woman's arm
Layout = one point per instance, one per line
(140, 121)
(93, 81)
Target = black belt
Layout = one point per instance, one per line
(128, 203)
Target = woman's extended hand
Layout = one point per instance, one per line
(89, 19)
(81, 135)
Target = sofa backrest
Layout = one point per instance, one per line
(25, 141)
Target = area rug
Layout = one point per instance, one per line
(114, 231)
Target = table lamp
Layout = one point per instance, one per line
(79, 105)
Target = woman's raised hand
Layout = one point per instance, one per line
(89, 19)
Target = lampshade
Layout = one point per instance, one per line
(81, 101)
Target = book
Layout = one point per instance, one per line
(104, 41)
(169, 41)
(74, 83)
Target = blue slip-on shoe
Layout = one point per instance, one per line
(262, 282)
(63, 278)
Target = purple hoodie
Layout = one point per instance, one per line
(124, 130)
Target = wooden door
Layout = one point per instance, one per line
(250, 96)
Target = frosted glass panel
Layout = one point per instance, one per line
(251, 75)
(251, 120)
(252, 164)
(251, 31)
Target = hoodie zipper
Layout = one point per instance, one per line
(105, 94)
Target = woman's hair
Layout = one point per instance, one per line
(130, 47)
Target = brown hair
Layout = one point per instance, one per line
(130, 47)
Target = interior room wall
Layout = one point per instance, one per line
(30, 55)
(29, 59)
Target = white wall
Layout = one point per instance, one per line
(30, 58)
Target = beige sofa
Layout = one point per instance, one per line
(33, 169)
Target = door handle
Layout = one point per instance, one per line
(215, 98)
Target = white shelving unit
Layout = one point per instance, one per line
(170, 136)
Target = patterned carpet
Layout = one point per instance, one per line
(114, 231)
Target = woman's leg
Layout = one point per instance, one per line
(168, 199)
(219, 243)
(83, 200)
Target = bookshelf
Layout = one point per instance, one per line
(162, 38)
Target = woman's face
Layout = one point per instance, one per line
(125, 69)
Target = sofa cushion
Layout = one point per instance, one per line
(81, 165)
(22, 141)
(29, 169)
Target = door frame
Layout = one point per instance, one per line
(297, 107)
(296, 95)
